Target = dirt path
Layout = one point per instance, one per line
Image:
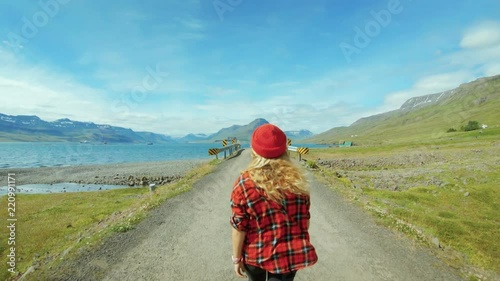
(188, 238)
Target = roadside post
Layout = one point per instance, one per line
(300, 150)
(234, 147)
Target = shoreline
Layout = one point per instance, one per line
(126, 174)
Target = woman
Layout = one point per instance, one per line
(270, 212)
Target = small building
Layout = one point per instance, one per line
(345, 144)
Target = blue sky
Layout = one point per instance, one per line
(195, 66)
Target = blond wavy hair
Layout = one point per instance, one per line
(277, 177)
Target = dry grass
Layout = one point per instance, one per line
(462, 211)
(51, 227)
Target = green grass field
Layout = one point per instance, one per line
(453, 197)
(52, 227)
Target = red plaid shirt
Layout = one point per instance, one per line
(277, 237)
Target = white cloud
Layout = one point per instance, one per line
(221, 92)
(192, 23)
(318, 104)
(441, 82)
(480, 50)
(472, 58)
(36, 89)
(424, 86)
(482, 35)
(284, 84)
(492, 69)
(479, 56)
(283, 110)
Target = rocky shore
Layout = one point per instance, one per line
(127, 174)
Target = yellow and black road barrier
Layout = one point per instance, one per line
(300, 150)
(233, 148)
(303, 150)
(213, 151)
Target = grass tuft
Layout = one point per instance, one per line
(451, 198)
(51, 227)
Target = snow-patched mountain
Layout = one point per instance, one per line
(32, 128)
(428, 116)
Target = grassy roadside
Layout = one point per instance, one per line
(447, 194)
(52, 227)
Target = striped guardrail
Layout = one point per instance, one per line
(237, 146)
(231, 148)
(300, 150)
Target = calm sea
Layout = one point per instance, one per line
(45, 154)
(53, 154)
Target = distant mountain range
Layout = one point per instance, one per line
(32, 128)
(425, 117)
(193, 138)
(242, 133)
(430, 115)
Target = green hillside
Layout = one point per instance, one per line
(478, 100)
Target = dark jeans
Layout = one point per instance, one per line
(259, 274)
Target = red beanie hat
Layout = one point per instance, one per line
(269, 141)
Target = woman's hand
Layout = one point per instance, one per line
(238, 237)
(239, 269)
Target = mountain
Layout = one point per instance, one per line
(298, 135)
(241, 132)
(193, 138)
(428, 116)
(32, 128)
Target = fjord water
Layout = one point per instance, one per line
(53, 154)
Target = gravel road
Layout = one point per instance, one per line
(188, 238)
